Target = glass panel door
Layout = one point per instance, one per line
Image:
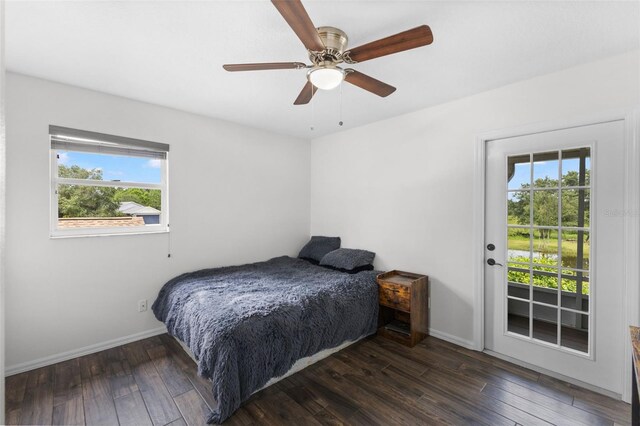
(554, 264)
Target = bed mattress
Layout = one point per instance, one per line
(299, 365)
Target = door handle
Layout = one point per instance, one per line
(491, 262)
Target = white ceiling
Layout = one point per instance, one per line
(171, 52)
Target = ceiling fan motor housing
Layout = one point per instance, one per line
(335, 41)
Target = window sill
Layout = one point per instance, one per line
(63, 236)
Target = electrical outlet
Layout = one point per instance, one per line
(142, 305)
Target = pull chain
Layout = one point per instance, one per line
(168, 241)
(313, 109)
(340, 109)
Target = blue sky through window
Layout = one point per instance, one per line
(115, 167)
(522, 173)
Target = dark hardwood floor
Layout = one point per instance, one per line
(153, 382)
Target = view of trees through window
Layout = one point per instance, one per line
(542, 205)
(75, 201)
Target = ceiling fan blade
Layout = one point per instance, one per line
(370, 84)
(417, 37)
(306, 94)
(296, 16)
(264, 66)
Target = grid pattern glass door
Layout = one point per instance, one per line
(548, 244)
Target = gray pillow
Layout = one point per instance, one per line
(348, 259)
(317, 247)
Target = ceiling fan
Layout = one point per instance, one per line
(327, 47)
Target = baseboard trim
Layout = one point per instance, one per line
(10, 370)
(468, 344)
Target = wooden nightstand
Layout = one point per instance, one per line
(404, 306)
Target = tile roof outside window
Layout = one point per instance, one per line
(100, 222)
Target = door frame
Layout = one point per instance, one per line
(631, 214)
(3, 164)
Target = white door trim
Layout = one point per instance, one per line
(631, 244)
(3, 164)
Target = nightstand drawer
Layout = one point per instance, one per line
(395, 296)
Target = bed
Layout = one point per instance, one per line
(248, 325)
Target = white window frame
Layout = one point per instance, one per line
(92, 139)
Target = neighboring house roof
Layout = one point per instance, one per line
(132, 208)
(125, 205)
(99, 222)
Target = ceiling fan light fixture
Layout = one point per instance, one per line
(326, 78)
(327, 47)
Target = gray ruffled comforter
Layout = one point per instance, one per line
(247, 324)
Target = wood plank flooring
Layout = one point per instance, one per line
(373, 382)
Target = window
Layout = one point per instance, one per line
(548, 227)
(103, 184)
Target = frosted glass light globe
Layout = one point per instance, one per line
(326, 78)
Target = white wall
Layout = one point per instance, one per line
(236, 195)
(403, 187)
